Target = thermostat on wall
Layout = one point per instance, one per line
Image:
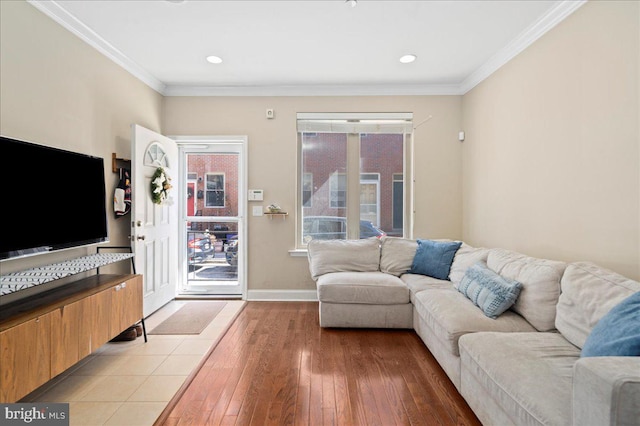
(256, 194)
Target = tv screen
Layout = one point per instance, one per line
(52, 199)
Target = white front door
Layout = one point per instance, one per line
(154, 226)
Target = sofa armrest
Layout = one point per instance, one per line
(606, 391)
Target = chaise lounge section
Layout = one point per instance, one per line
(523, 366)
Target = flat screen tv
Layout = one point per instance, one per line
(52, 199)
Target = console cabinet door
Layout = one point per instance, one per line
(25, 358)
(126, 305)
(70, 335)
(100, 318)
(133, 301)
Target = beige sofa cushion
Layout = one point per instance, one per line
(343, 256)
(418, 283)
(588, 293)
(374, 288)
(529, 374)
(466, 256)
(397, 255)
(450, 315)
(540, 280)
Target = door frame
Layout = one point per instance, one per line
(185, 142)
(375, 182)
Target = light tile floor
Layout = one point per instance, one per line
(130, 383)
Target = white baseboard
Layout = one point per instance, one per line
(283, 295)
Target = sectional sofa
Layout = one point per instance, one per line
(524, 366)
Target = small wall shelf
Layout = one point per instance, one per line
(271, 215)
(115, 160)
(21, 280)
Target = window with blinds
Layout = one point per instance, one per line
(350, 172)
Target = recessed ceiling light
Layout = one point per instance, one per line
(214, 59)
(406, 59)
(352, 3)
(176, 1)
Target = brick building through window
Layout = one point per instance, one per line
(381, 165)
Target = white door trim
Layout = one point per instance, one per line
(186, 142)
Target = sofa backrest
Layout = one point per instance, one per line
(588, 293)
(397, 255)
(465, 257)
(343, 256)
(540, 280)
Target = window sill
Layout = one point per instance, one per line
(298, 253)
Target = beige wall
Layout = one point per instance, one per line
(551, 161)
(56, 90)
(550, 165)
(272, 166)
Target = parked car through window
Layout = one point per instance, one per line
(335, 228)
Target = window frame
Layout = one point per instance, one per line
(207, 190)
(355, 125)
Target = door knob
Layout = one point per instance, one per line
(140, 237)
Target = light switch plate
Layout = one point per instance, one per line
(257, 210)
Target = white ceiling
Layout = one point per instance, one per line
(306, 47)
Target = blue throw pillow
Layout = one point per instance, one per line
(492, 293)
(434, 258)
(618, 332)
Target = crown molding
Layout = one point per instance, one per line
(546, 22)
(314, 90)
(52, 9)
(553, 17)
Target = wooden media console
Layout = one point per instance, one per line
(42, 336)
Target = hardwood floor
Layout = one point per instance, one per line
(276, 366)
